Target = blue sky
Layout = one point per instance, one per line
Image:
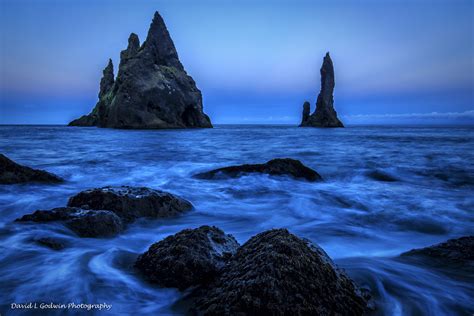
(255, 61)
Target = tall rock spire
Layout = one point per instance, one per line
(324, 115)
(152, 89)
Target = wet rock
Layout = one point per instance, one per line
(381, 176)
(454, 252)
(152, 89)
(324, 115)
(11, 173)
(277, 273)
(50, 242)
(188, 258)
(130, 203)
(85, 223)
(275, 167)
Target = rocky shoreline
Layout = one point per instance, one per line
(275, 272)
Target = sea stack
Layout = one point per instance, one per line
(152, 89)
(324, 115)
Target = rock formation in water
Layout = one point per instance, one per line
(189, 258)
(454, 252)
(324, 115)
(85, 223)
(104, 212)
(11, 173)
(277, 273)
(152, 89)
(130, 203)
(274, 167)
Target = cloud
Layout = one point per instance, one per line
(431, 117)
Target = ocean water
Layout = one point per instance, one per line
(362, 223)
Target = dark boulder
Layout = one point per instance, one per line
(188, 258)
(324, 115)
(152, 89)
(275, 167)
(130, 203)
(454, 252)
(85, 223)
(11, 173)
(277, 273)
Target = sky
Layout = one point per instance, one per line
(256, 62)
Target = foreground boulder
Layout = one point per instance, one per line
(130, 203)
(85, 223)
(324, 115)
(11, 173)
(188, 258)
(152, 89)
(454, 252)
(277, 273)
(275, 167)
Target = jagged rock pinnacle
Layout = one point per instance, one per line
(107, 80)
(324, 115)
(152, 89)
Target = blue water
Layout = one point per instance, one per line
(363, 224)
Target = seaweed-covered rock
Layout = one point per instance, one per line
(274, 167)
(11, 173)
(85, 223)
(152, 89)
(454, 252)
(130, 203)
(277, 273)
(188, 258)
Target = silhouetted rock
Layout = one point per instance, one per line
(85, 223)
(454, 252)
(306, 112)
(277, 273)
(381, 176)
(152, 89)
(274, 167)
(11, 173)
(324, 115)
(190, 257)
(50, 242)
(130, 203)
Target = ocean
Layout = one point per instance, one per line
(364, 224)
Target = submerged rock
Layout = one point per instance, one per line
(85, 223)
(50, 242)
(277, 273)
(454, 252)
(130, 203)
(274, 167)
(381, 176)
(11, 173)
(324, 115)
(152, 89)
(188, 258)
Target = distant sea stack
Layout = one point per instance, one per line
(152, 89)
(324, 115)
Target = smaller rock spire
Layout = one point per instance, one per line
(306, 111)
(107, 80)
